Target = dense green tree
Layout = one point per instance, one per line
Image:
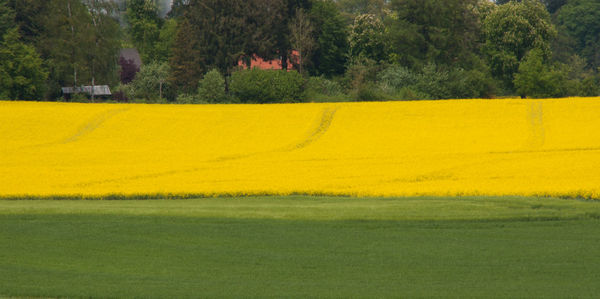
(177, 8)
(22, 75)
(150, 82)
(331, 34)
(537, 79)
(429, 31)
(188, 62)
(350, 9)
(166, 39)
(218, 33)
(551, 5)
(513, 29)
(579, 20)
(554, 5)
(367, 39)
(7, 18)
(144, 27)
(212, 87)
(30, 18)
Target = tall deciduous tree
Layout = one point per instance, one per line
(367, 39)
(513, 29)
(301, 37)
(144, 27)
(282, 33)
(64, 43)
(331, 33)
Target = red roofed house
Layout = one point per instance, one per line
(262, 64)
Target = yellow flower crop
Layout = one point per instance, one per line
(458, 147)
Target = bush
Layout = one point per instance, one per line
(434, 82)
(267, 86)
(395, 78)
(185, 98)
(323, 86)
(370, 92)
(212, 87)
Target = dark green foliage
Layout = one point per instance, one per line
(212, 87)
(22, 75)
(266, 86)
(144, 27)
(177, 8)
(323, 86)
(435, 82)
(331, 53)
(396, 77)
(30, 18)
(352, 8)
(7, 18)
(580, 21)
(369, 92)
(218, 33)
(554, 5)
(431, 31)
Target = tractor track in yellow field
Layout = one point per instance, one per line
(313, 135)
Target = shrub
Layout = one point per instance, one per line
(266, 86)
(395, 78)
(323, 86)
(186, 98)
(369, 92)
(212, 87)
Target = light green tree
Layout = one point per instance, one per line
(513, 29)
(537, 79)
(22, 76)
(367, 38)
(212, 87)
(150, 82)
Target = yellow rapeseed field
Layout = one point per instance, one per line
(548, 147)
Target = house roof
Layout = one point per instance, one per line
(275, 64)
(99, 90)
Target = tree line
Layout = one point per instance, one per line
(340, 50)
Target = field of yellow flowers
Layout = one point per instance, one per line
(548, 147)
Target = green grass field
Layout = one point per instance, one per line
(300, 247)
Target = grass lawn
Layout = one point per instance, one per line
(301, 247)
